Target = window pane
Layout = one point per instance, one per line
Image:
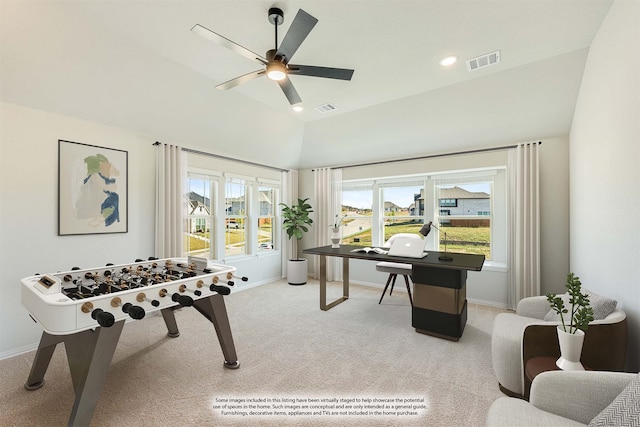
(266, 202)
(198, 229)
(356, 230)
(198, 237)
(466, 219)
(265, 233)
(235, 219)
(402, 208)
(357, 211)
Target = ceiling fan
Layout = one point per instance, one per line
(276, 61)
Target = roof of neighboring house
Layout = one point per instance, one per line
(200, 199)
(391, 205)
(460, 193)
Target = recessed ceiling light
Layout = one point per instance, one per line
(448, 61)
(297, 108)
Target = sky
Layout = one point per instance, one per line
(401, 196)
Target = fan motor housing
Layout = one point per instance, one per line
(276, 16)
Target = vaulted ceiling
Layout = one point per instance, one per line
(136, 65)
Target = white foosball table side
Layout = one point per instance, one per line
(90, 350)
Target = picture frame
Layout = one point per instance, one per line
(92, 189)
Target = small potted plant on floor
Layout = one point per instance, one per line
(295, 222)
(571, 332)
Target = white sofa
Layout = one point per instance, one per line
(520, 336)
(572, 398)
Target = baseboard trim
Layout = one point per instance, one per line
(18, 351)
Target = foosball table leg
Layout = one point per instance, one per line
(170, 320)
(46, 348)
(214, 309)
(89, 354)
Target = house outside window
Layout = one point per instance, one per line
(467, 222)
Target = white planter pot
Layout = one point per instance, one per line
(570, 350)
(335, 237)
(297, 271)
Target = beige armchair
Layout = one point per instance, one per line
(520, 336)
(572, 398)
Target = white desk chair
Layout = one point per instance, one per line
(396, 268)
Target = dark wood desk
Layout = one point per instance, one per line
(439, 291)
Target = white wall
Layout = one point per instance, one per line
(605, 168)
(29, 241)
(490, 285)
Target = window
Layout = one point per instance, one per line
(460, 203)
(235, 198)
(466, 227)
(266, 218)
(233, 210)
(199, 229)
(401, 209)
(357, 212)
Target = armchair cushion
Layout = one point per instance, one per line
(510, 412)
(602, 306)
(624, 410)
(560, 398)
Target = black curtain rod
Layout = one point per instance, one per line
(189, 150)
(432, 156)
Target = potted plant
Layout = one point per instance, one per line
(296, 222)
(571, 336)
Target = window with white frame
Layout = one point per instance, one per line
(199, 230)
(233, 209)
(462, 204)
(267, 201)
(401, 210)
(357, 213)
(466, 224)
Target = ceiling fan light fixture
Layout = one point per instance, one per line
(297, 108)
(276, 70)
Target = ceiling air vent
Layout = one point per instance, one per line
(483, 61)
(325, 108)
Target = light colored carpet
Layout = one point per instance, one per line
(288, 349)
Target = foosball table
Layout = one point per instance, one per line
(87, 309)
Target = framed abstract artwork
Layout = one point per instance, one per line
(92, 189)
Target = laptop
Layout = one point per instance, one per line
(408, 247)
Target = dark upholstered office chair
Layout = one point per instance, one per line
(396, 268)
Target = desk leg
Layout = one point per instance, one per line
(323, 283)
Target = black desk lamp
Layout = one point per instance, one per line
(426, 228)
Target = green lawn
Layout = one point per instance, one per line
(473, 240)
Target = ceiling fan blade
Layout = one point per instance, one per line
(300, 28)
(326, 72)
(289, 91)
(223, 41)
(242, 79)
